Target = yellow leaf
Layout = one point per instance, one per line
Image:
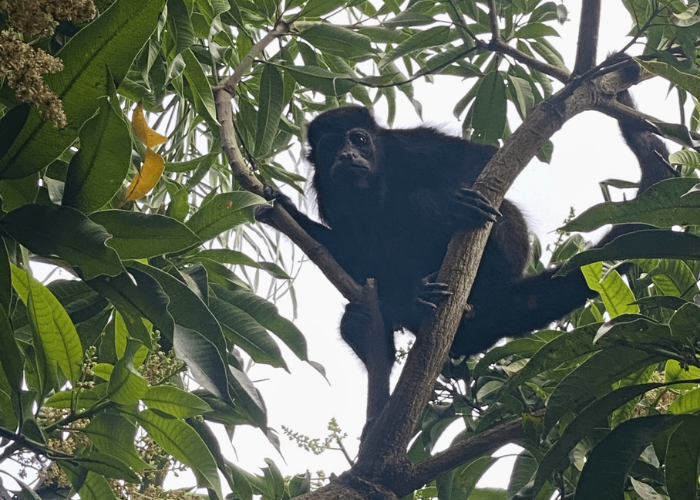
(146, 179)
(146, 134)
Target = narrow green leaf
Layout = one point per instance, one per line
(114, 434)
(267, 315)
(616, 295)
(607, 467)
(113, 40)
(58, 335)
(98, 170)
(423, 39)
(184, 444)
(50, 230)
(223, 212)
(108, 466)
(316, 8)
(682, 460)
(180, 26)
(338, 41)
(489, 117)
(640, 245)
(535, 30)
(92, 486)
(138, 235)
(593, 379)
(174, 401)
(664, 204)
(241, 329)
(10, 357)
(199, 85)
(321, 80)
(270, 106)
(686, 81)
(84, 398)
(126, 385)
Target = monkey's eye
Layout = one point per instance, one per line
(359, 139)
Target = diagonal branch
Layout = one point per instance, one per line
(587, 49)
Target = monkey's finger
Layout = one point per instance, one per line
(478, 201)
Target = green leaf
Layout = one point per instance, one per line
(423, 39)
(688, 402)
(338, 41)
(184, 444)
(10, 357)
(18, 192)
(686, 81)
(226, 256)
(267, 315)
(50, 230)
(174, 401)
(316, 8)
(593, 379)
(616, 295)
(108, 466)
(180, 26)
(90, 486)
(321, 80)
(664, 204)
(489, 118)
(126, 385)
(113, 40)
(682, 460)
(114, 434)
(98, 170)
(408, 18)
(649, 244)
(199, 85)
(11, 125)
(59, 338)
(686, 157)
(271, 104)
(83, 398)
(604, 475)
(138, 235)
(242, 330)
(535, 30)
(223, 212)
(583, 425)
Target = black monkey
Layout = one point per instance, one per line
(391, 201)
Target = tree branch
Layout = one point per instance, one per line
(587, 49)
(493, 18)
(394, 427)
(542, 67)
(488, 441)
(280, 218)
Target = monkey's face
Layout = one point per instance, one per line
(349, 158)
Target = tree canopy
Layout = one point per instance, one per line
(135, 140)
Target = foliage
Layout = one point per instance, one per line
(165, 258)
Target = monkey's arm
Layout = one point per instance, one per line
(317, 231)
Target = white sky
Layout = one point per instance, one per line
(587, 150)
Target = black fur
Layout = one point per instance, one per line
(391, 201)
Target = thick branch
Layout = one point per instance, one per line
(587, 49)
(460, 453)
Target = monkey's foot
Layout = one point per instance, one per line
(471, 206)
(432, 293)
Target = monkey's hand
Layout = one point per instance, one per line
(263, 213)
(432, 293)
(470, 209)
